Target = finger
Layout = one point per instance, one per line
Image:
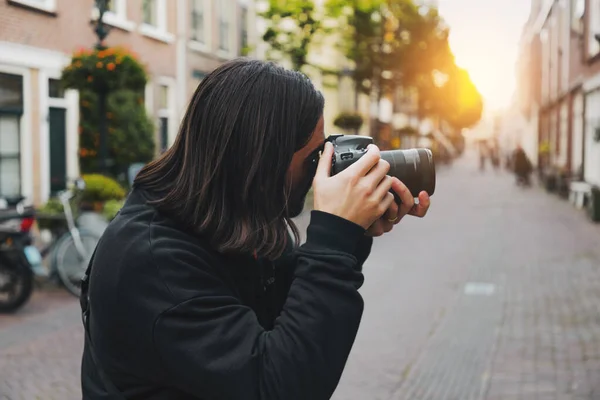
(365, 163)
(405, 197)
(376, 229)
(419, 210)
(383, 188)
(386, 203)
(391, 214)
(324, 166)
(377, 176)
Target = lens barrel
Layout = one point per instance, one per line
(414, 167)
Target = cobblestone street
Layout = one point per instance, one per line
(495, 295)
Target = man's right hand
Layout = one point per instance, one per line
(360, 193)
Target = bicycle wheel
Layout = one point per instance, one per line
(69, 264)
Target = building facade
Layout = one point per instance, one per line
(179, 41)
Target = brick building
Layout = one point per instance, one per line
(559, 88)
(180, 41)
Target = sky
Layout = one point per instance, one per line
(484, 36)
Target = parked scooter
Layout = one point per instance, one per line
(18, 257)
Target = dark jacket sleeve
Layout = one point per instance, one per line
(213, 347)
(363, 250)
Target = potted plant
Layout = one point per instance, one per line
(114, 68)
(111, 208)
(348, 121)
(98, 190)
(51, 216)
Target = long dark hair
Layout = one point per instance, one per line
(225, 176)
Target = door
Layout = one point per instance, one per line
(58, 150)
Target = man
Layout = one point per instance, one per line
(196, 289)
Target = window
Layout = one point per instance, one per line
(116, 15)
(154, 18)
(55, 89)
(164, 134)
(198, 18)
(163, 97)
(11, 108)
(44, 5)
(165, 112)
(150, 11)
(224, 24)
(244, 32)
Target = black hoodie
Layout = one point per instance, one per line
(171, 318)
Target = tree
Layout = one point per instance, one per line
(458, 102)
(291, 27)
(130, 130)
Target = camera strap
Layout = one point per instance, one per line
(84, 301)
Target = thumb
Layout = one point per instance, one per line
(324, 167)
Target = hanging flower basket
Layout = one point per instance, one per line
(348, 120)
(114, 68)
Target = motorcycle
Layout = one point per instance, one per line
(18, 257)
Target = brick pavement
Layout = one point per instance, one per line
(534, 334)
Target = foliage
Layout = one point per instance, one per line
(291, 26)
(111, 208)
(391, 43)
(106, 70)
(348, 120)
(458, 101)
(99, 188)
(130, 131)
(52, 207)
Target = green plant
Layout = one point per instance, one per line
(130, 131)
(348, 120)
(111, 208)
(51, 215)
(292, 25)
(52, 207)
(100, 188)
(106, 70)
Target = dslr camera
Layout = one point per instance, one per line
(414, 167)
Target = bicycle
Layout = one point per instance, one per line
(71, 252)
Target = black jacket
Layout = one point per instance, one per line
(170, 318)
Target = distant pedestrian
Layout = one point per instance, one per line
(522, 167)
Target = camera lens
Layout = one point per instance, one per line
(414, 167)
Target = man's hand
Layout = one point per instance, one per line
(394, 214)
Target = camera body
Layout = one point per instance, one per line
(348, 149)
(414, 167)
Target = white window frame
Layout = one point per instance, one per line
(594, 28)
(205, 46)
(70, 103)
(159, 31)
(44, 5)
(117, 18)
(26, 140)
(169, 112)
(231, 7)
